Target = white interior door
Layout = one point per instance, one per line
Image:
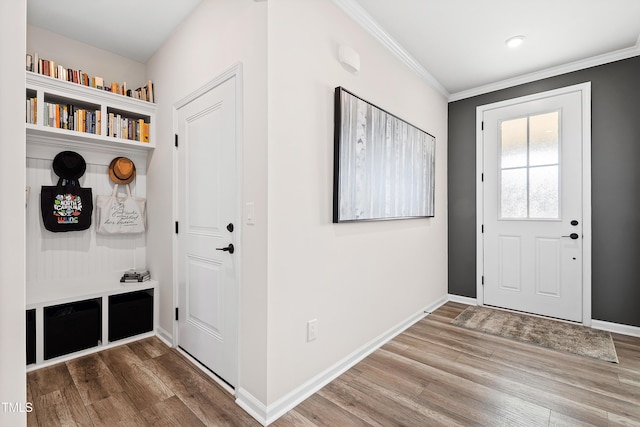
(207, 244)
(532, 206)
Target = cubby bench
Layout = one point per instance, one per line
(64, 322)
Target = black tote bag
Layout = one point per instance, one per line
(66, 207)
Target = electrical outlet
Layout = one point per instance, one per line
(312, 330)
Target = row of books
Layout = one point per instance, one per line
(134, 276)
(67, 116)
(123, 127)
(57, 71)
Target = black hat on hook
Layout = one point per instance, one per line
(69, 165)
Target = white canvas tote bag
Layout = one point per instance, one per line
(120, 215)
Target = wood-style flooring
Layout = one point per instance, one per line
(433, 374)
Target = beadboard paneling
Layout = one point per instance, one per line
(59, 258)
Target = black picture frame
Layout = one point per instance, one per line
(384, 167)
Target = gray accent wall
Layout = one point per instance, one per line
(615, 134)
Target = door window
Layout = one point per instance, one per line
(529, 167)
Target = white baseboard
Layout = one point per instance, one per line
(251, 405)
(462, 300)
(268, 414)
(164, 336)
(618, 328)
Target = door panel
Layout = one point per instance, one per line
(510, 263)
(532, 190)
(207, 278)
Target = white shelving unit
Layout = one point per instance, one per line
(75, 266)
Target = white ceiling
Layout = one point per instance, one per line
(131, 28)
(461, 43)
(457, 45)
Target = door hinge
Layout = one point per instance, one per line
(482, 285)
(482, 177)
(176, 313)
(481, 229)
(482, 126)
(176, 140)
(176, 227)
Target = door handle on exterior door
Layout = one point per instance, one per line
(573, 236)
(229, 248)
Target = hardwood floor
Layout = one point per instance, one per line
(433, 374)
(144, 383)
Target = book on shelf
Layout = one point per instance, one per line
(49, 68)
(127, 128)
(32, 110)
(67, 116)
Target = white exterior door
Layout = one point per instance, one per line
(207, 229)
(532, 205)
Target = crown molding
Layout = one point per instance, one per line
(582, 64)
(358, 14)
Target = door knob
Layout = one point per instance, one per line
(573, 236)
(229, 248)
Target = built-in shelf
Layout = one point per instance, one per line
(44, 296)
(50, 90)
(65, 269)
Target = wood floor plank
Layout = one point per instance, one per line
(115, 411)
(464, 392)
(616, 420)
(169, 413)
(32, 416)
(44, 381)
(50, 409)
(382, 407)
(325, 413)
(142, 386)
(60, 408)
(93, 379)
(562, 420)
(148, 348)
(432, 335)
(292, 419)
(205, 398)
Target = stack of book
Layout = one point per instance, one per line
(135, 276)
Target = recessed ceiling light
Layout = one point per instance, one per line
(515, 41)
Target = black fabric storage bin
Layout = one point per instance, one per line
(72, 327)
(31, 336)
(130, 314)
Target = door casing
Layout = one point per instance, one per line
(585, 90)
(233, 71)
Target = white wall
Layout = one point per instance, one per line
(81, 56)
(219, 34)
(359, 280)
(12, 227)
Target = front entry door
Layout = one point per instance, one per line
(207, 229)
(533, 205)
